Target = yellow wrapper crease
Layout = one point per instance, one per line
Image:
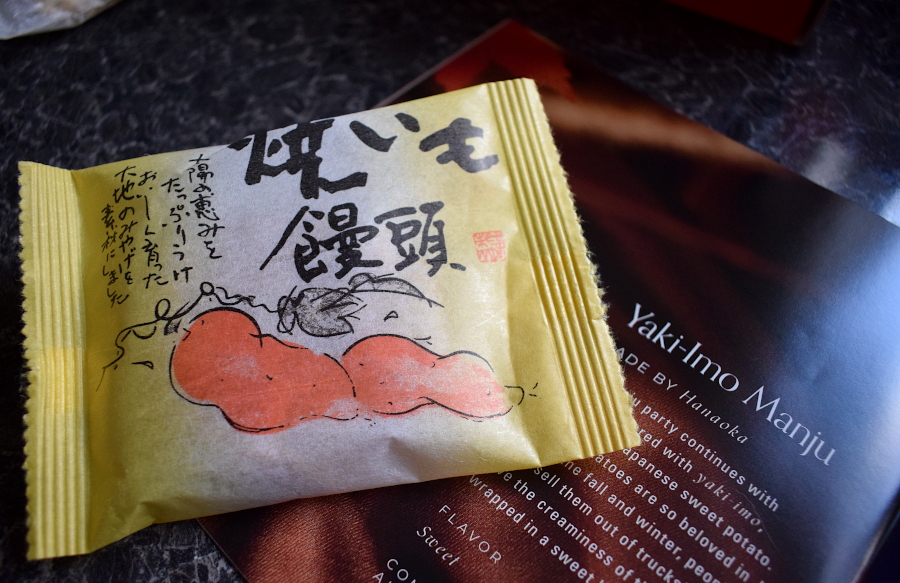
(387, 297)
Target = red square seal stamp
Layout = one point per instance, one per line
(490, 246)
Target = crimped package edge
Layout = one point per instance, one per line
(55, 443)
(561, 247)
(551, 283)
(513, 144)
(602, 415)
(587, 299)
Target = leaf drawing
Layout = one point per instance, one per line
(318, 311)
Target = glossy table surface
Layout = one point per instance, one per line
(157, 75)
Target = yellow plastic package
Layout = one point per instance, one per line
(388, 297)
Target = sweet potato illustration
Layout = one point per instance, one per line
(393, 375)
(263, 385)
(260, 383)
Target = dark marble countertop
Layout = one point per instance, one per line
(150, 76)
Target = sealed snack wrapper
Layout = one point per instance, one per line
(393, 296)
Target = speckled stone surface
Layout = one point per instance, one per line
(149, 76)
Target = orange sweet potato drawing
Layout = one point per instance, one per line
(264, 385)
(393, 375)
(260, 383)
